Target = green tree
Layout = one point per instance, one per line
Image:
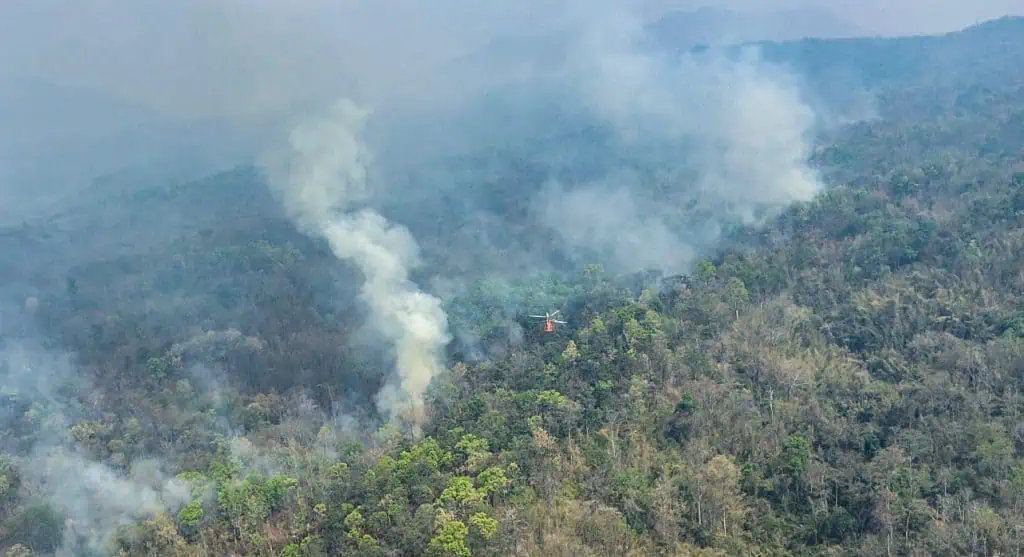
(450, 540)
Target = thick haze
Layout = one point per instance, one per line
(200, 58)
(118, 86)
(196, 57)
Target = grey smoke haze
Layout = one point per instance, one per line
(171, 77)
(237, 57)
(96, 500)
(199, 57)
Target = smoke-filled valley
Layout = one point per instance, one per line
(788, 273)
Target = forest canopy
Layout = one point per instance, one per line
(836, 371)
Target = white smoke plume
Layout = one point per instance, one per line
(729, 140)
(319, 177)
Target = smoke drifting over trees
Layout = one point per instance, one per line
(673, 150)
(413, 182)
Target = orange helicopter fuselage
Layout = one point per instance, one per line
(549, 327)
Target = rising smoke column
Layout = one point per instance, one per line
(318, 178)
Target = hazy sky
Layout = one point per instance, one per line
(888, 17)
(217, 56)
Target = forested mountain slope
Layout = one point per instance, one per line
(844, 381)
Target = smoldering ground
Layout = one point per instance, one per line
(48, 411)
(75, 500)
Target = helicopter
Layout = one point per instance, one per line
(549, 321)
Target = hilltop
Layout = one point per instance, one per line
(709, 25)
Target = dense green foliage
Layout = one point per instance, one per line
(847, 381)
